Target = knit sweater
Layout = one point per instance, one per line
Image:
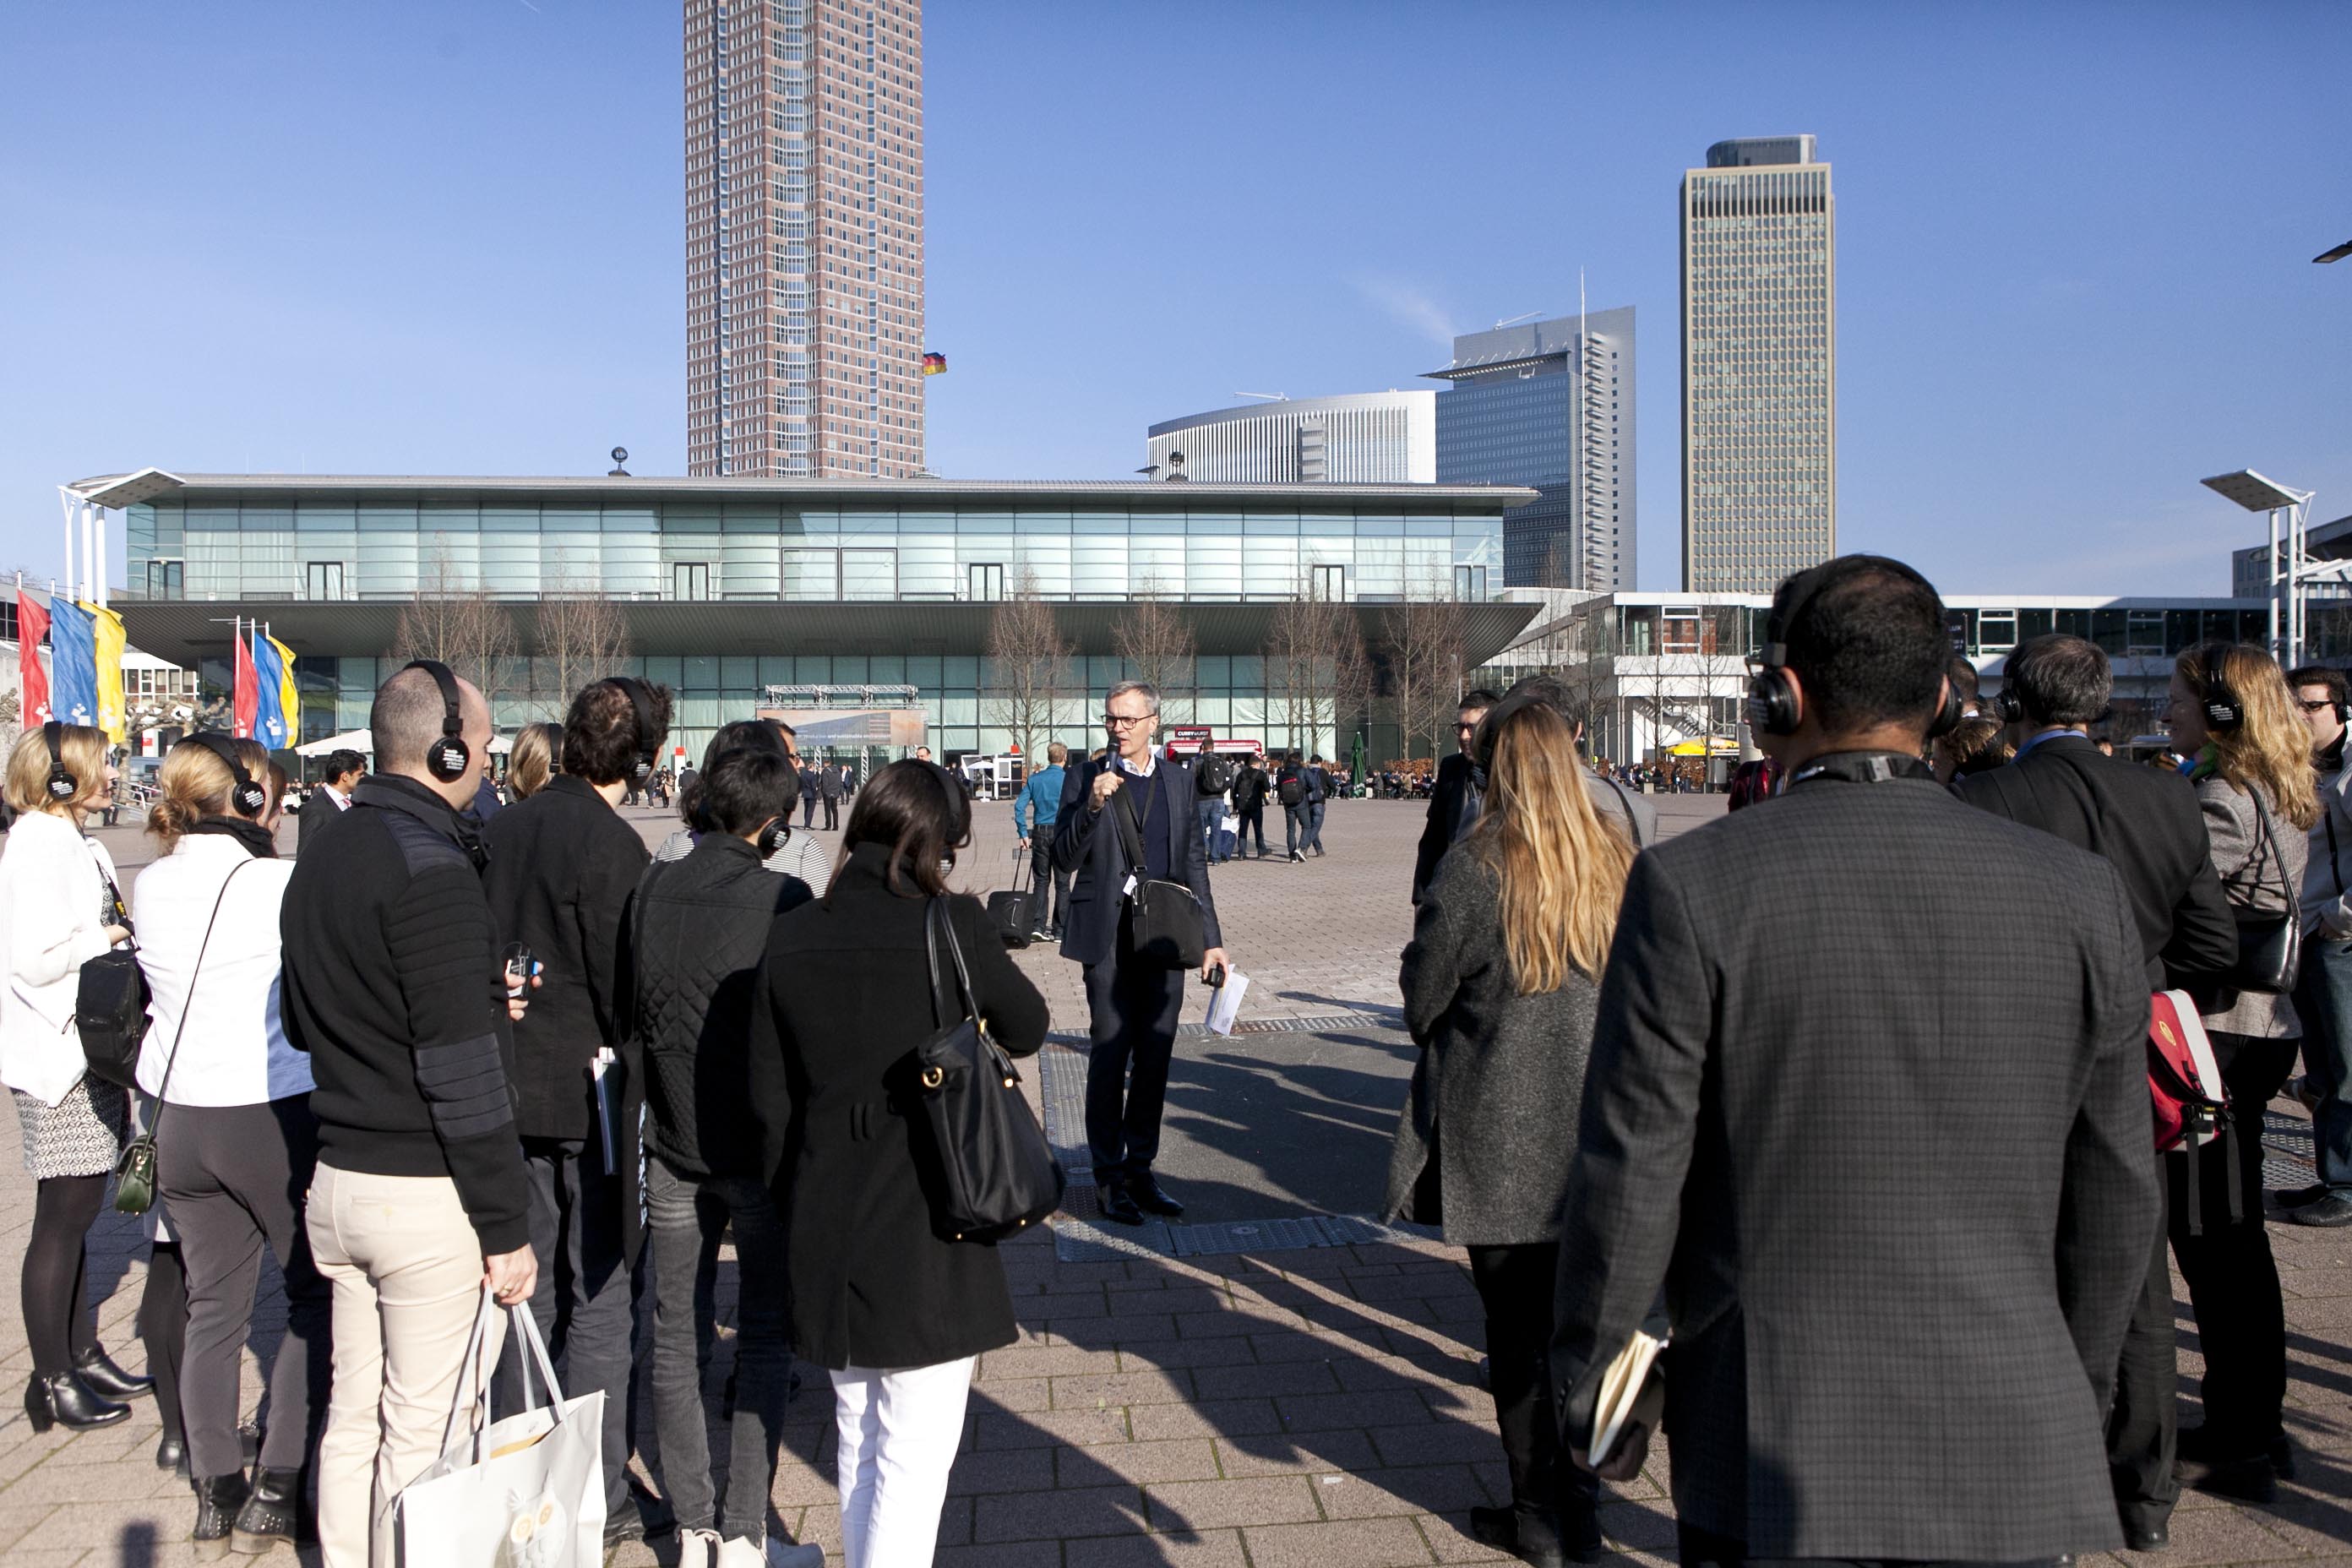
(392, 985)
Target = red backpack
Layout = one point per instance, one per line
(2185, 1089)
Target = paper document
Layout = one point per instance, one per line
(606, 1117)
(1226, 1003)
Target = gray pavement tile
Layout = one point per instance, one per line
(1059, 1514)
(1405, 1489)
(1180, 1549)
(1259, 1500)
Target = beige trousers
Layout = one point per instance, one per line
(407, 1276)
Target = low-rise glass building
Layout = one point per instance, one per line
(729, 586)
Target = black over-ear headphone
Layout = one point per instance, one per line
(245, 796)
(772, 838)
(2008, 706)
(641, 701)
(63, 785)
(2225, 714)
(1772, 705)
(447, 758)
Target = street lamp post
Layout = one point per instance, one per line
(2256, 493)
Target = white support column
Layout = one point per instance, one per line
(66, 500)
(89, 555)
(2278, 642)
(98, 532)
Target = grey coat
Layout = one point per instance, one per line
(2250, 873)
(1494, 1094)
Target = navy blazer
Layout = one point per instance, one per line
(1098, 859)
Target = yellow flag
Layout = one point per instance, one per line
(106, 632)
(289, 697)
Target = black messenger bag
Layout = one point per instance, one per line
(1170, 929)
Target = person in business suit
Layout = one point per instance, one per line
(831, 786)
(808, 798)
(2145, 822)
(344, 771)
(1454, 803)
(1896, 1302)
(1131, 1001)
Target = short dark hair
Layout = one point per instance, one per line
(601, 742)
(2325, 675)
(2061, 680)
(745, 787)
(1966, 684)
(341, 762)
(1553, 693)
(740, 734)
(921, 813)
(1482, 698)
(1868, 643)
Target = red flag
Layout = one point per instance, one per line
(32, 625)
(245, 703)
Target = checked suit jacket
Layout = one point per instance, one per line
(1899, 1213)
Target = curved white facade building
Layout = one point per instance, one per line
(1366, 437)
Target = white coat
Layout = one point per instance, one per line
(52, 887)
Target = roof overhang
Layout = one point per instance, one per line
(116, 490)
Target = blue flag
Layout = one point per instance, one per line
(73, 663)
(269, 709)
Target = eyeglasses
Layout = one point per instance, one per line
(1121, 721)
(2321, 706)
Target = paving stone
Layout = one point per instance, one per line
(1358, 1542)
(1320, 1411)
(1202, 1505)
(999, 1470)
(1060, 1514)
(1145, 1463)
(1122, 1388)
(1407, 1489)
(1284, 1378)
(1305, 1453)
(1231, 1418)
(1209, 1549)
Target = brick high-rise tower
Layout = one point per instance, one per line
(805, 237)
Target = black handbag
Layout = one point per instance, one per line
(991, 1172)
(134, 1169)
(1169, 927)
(2270, 946)
(111, 1004)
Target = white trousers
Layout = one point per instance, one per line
(898, 1435)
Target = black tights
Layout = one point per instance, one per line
(164, 1326)
(58, 1322)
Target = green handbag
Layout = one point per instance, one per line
(135, 1171)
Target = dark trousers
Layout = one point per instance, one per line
(2233, 1281)
(1044, 878)
(1699, 1548)
(163, 1329)
(585, 1302)
(808, 810)
(1293, 829)
(233, 1179)
(1516, 1284)
(1204, 812)
(832, 812)
(1253, 821)
(683, 1214)
(1313, 810)
(2143, 1424)
(1132, 1007)
(2323, 999)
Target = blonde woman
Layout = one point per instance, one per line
(58, 910)
(2250, 750)
(536, 757)
(1500, 987)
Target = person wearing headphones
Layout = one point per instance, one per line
(58, 910)
(2323, 989)
(564, 864)
(234, 1140)
(2235, 718)
(894, 1312)
(698, 928)
(392, 985)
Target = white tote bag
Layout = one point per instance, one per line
(524, 1492)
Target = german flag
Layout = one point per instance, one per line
(935, 363)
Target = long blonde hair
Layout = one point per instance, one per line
(1560, 869)
(536, 756)
(2271, 745)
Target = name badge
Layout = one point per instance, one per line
(1129, 891)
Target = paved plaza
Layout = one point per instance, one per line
(1275, 1381)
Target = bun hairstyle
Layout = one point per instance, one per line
(194, 783)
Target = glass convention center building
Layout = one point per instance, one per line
(808, 596)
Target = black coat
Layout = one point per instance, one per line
(1089, 847)
(1250, 786)
(2148, 825)
(1447, 818)
(843, 997)
(1901, 1214)
(562, 867)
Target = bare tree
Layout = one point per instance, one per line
(1318, 672)
(1157, 642)
(1425, 641)
(1033, 667)
(466, 628)
(581, 632)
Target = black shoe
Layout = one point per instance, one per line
(218, 1499)
(271, 1513)
(2248, 1480)
(67, 1401)
(1116, 1204)
(2296, 1197)
(172, 1454)
(2196, 1450)
(108, 1381)
(1318, 852)
(1150, 1197)
(2147, 1537)
(2334, 1210)
(1526, 1538)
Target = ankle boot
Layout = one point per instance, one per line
(269, 1514)
(66, 1399)
(108, 1379)
(218, 1498)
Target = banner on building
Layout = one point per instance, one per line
(245, 695)
(107, 643)
(815, 728)
(32, 625)
(73, 663)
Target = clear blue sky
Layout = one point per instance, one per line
(2073, 244)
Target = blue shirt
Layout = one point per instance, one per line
(2034, 741)
(1040, 800)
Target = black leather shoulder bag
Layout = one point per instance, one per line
(1169, 929)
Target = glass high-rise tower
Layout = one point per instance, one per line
(805, 237)
(1759, 365)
